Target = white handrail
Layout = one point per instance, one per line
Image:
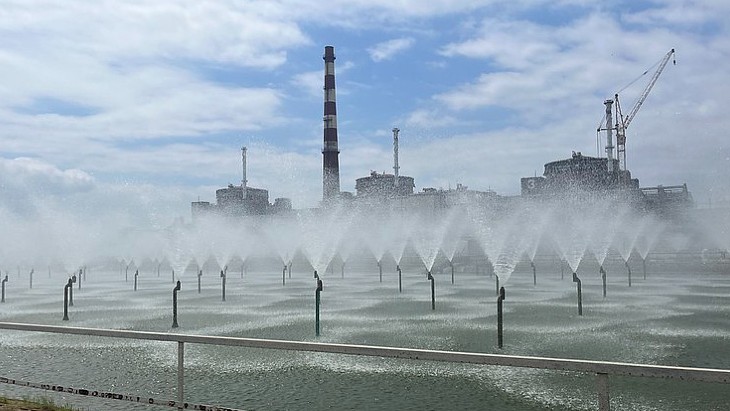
(600, 368)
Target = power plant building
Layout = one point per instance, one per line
(384, 185)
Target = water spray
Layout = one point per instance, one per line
(223, 284)
(500, 299)
(628, 270)
(400, 274)
(380, 269)
(318, 290)
(67, 289)
(136, 274)
(534, 273)
(200, 274)
(433, 291)
(5, 280)
(174, 304)
(576, 280)
(603, 279)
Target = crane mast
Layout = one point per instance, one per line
(623, 122)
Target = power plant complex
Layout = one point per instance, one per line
(577, 177)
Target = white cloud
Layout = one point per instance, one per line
(387, 49)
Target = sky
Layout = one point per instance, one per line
(137, 108)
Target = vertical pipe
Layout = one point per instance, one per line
(71, 291)
(200, 274)
(174, 304)
(289, 270)
(433, 291)
(31, 278)
(180, 374)
(66, 288)
(223, 285)
(576, 280)
(283, 276)
(158, 269)
(126, 273)
(643, 262)
(380, 270)
(343, 269)
(316, 298)
(604, 400)
(534, 273)
(49, 271)
(5, 280)
(400, 274)
(500, 334)
(136, 274)
(628, 270)
(452, 271)
(173, 276)
(242, 268)
(603, 279)
(562, 269)
(81, 274)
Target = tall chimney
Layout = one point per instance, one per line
(330, 152)
(609, 134)
(395, 156)
(244, 182)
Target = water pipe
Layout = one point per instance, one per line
(136, 274)
(316, 276)
(31, 278)
(628, 269)
(400, 274)
(173, 276)
(71, 291)
(223, 285)
(283, 276)
(290, 263)
(380, 269)
(174, 304)
(66, 290)
(433, 293)
(342, 269)
(452, 271)
(603, 279)
(126, 273)
(500, 299)
(316, 299)
(5, 280)
(562, 269)
(643, 262)
(534, 273)
(81, 272)
(580, 294)
(200, 274)
(158, 269)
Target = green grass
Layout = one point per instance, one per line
(36, 404)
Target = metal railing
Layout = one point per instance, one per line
(602, 369)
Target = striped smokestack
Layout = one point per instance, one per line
(330, 152)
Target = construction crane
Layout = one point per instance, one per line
(623, 121)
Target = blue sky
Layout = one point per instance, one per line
(127, 104)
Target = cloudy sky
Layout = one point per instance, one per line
(143, 106)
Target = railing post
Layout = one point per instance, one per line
(604, 403)
(180, 374)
